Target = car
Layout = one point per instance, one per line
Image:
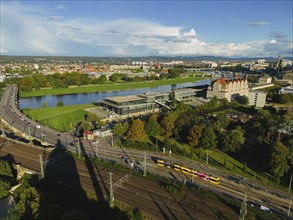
(38, 126)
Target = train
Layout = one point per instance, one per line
(188, 171)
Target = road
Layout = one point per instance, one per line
(29, 128)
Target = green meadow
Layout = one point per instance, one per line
(108, 87)
(61, 118)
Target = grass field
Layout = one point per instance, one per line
(61, 118)
(108, 87)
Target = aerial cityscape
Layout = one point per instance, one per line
(146, 110)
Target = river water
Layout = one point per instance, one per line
(94, 97)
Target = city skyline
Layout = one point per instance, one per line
(145, 28)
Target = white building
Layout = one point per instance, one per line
(257, 98)
(265, 80)
(228, 88)
(102, 132)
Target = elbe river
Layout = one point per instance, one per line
(94, 97)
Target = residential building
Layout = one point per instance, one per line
(265, 79)
(88, 135)
(102, 132)
(288, 77)
(228, 88)
(257, 98)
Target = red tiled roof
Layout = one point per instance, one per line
(87, 132)
(224, 81)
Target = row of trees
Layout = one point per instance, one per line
(57, 80)
(207, 127)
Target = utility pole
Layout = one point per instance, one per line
(243, 210)
(42, 166)
(290, 183)
(289, 207)
(29, 135)
(112, 140)
(111, 199)
(78, 146)
(144, 165)
(97, 150)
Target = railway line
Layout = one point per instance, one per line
(77, 173)
(139, 191)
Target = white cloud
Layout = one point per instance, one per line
(259, 23)
(36, 31)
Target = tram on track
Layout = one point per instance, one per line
(188, 171)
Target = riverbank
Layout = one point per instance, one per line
(108, 87)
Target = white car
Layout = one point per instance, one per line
(38, 126)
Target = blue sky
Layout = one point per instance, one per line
(145, 28)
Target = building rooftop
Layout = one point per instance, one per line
(119, 99)
(151, 94)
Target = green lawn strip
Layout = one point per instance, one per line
(61, 118)
(108, 87)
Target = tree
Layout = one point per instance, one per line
(208, 139)
(92, 117)
(182, 125)
(136, 129)
(26, 83)
(86, 125)
(173, 98)
(232, 141)
(242, 100)
(120, 129)
(29, 201)
(278, 161)
(60, 104)
(221, 122)
(154, 116)
(114, 77)
(168, 123)
(44, 105)
(102, 78)
(194, 136)
(152, 127)
(4, 189)
(5, 170)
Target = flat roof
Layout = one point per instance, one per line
(119, 99)
(151, 94)
(187, 90)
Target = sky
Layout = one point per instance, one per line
(259, 28)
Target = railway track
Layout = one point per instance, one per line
(88, 176)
